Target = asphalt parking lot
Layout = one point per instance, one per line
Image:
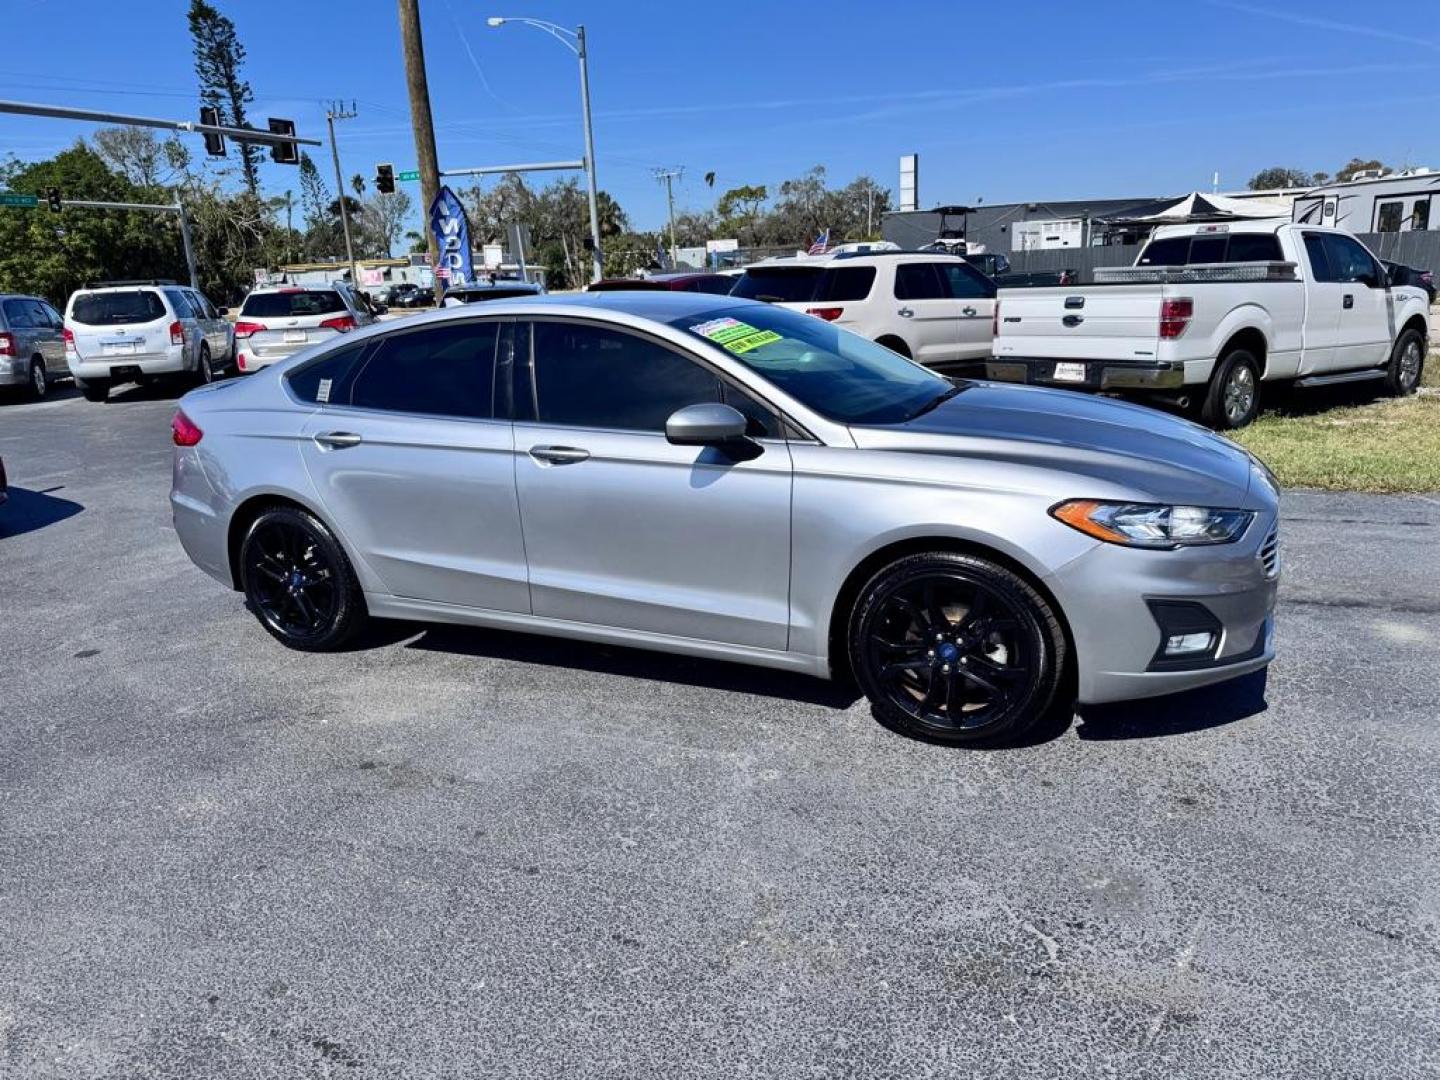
(462, 853)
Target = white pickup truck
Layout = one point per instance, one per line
(1210, 311)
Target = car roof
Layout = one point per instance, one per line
(293, 288)
(659, 305)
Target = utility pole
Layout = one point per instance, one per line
(668, 177)
(289, 228)
(338, 112)
(597, 263)
(419, 88)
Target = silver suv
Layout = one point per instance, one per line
(32, 347)
(133, 331)
(275, 322)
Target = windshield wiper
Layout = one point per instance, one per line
(935, 402)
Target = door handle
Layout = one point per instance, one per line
(906, 312)
(558, 455)
(1073, 320)
(337, 440)
(1348, 302)
(968, 312)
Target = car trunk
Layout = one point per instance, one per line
(119, 326)
(271, 326)
(1121, 322)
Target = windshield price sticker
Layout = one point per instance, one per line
(735, 335)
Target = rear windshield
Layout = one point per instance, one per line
(117, 308)
(274, 305)
(1212, 248)
(802, 284)
(474, 296)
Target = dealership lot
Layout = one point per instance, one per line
(454, 852)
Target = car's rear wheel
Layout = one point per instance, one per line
(1407, 362)
(956, 649)
(94, 389)
(1232, 398)
(896, 345)
(39, 381)
(204, 369)
(299, 582)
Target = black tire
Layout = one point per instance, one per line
(894, 344)
(1232, 398)
(94, 389)
(984, 677)
(299, 582)
(204, 370)
(1407, 364)
(39, 380)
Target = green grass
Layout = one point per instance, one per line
(1349, 440)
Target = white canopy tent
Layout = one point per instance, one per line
(1198, 206)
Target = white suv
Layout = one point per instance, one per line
(133, 331)
(275, 322)
(931, 307)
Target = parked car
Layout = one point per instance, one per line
(1210, 312)
(1413, 276)
(409, 295)
(32, 344)
(484, 291)
(717, 477)
(719, 284)
(930, 306)
(275, 322)
(134, 331)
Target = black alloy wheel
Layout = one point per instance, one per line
(956, 649)
(299, 582)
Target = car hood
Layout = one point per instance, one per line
(1151, 454)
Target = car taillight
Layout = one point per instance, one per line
(1175, 316)
(829, 314)
(7, 344)
(995, 320)
(177, 334)
(245, 329)
(69, 337)
(183, 431)
(342, 323)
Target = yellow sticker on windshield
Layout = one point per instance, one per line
(735, 335)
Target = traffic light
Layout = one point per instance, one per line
(286, 153)
(52, 198)
(385, 178)
(214, 143)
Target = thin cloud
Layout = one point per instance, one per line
(1315, 22)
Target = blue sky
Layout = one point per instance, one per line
(1021, 101)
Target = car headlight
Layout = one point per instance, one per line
(1149, 525)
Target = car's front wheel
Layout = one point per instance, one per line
(956, 649)
(299, 582)
(1407, 363)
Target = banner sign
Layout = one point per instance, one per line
(452, 236)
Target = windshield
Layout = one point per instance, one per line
(117, 308)
(842, 376)
(280, 304)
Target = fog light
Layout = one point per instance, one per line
(1189, 644)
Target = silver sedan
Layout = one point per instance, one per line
(722, 478)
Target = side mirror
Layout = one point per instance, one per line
(708, 424)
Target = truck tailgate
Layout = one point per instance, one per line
(1080, 322)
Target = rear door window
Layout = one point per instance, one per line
(589, 376)
(1319, 262)
(919, 281)
(183, 305)
(847, 283)
(326, 380)
(446, 370)
(118, 308)
(785, 284)
(289, 305)
(18, 314)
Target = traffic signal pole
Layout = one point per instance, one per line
(176, 208)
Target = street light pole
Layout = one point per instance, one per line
(331, 115)
(563, 35)
(597, 262)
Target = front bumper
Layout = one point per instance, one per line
(1112, 596)
(1099, 374)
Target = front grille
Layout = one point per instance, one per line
(1270, 553)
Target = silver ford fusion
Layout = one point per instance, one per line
(728, 479)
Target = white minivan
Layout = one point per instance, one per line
(931, 307)
(134, 331)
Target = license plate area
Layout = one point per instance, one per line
(117, 348)
(295, 337)
(1066, 371)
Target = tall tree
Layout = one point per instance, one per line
(314, 195)
(218, 59)
(1356, 165)
(383, 220)
(1278, 176)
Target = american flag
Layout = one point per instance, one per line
(821, 244)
